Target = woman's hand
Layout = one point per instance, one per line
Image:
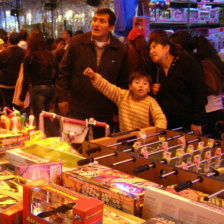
(197, 129)
(89, 72)
(155, 88)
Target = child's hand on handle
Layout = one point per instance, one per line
(89, 72)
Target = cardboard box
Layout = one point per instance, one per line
(10, 140)
(115, 188)
(42, 154)
(49, 203)
(158, 201)
(115, 216)
(49, 171)
(11, 197)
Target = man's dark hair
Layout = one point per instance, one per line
(139, 74)
(112, 17)
(23, 34)
(14, 38)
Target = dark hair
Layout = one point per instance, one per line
(183, 38)
(206, 50)
(139, 74)
(77, 32)
(69, 32)
(112, 17)
(23, 34)
(58, 40)
(161, 37)
(14, 38)
(36, 45)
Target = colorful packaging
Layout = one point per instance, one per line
(48, 203)
(115, 188)
(11, 198)
(48, 171)
(115, 216)
(42, 154)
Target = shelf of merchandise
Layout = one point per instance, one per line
(186, 25)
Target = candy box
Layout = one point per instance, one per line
(158, 201)
(49, 203)
(115, 188)
(48, 171)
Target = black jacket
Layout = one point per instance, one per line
(182, 94)
(81, 54)
(10, 60)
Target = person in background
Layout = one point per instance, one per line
(3, 35)
(214, 78)
(181, 90)
(10, 61)
(50, 44)
(182, 41)
(67, 36)
(23, 36)
(138, 57)
(39, 69)
(100, 50)
(135, 108)
(59, 50)
(1, 45)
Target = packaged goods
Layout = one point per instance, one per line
(115, 188)
(48, 203)
(48, 171)
(42, 154)
(11, 198)
(158, 201)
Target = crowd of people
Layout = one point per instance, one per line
(168, 82)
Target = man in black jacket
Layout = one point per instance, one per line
(101, 51)
(10, 61)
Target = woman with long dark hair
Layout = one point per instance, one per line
(213, 69)
(39, 70)
(180, 88)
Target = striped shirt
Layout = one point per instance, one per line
(132, 114)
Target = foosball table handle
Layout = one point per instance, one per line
(85, 161)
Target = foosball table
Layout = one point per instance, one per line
(166, 157)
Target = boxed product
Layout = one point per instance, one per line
(179, 15)
(115, 188)
(3, 165)
(163, 219)
(11, 198)
(48, 203)
(42, 154)
(9, 140)
(194, 14)
(115, 216)
(48, 171)
(142, 22)
(214, 15)
(158, 201)
(204, 14)
(198, 196)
